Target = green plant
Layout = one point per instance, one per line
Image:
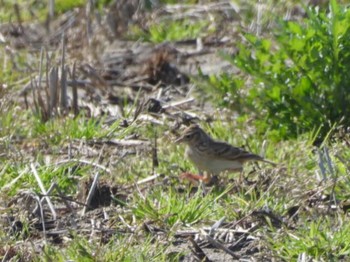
(321, 239)
(65, 5)
(170, 208)
(174, 31)
(300, 79)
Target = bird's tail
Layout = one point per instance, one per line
(269, 162)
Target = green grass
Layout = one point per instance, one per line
(173, 31)
(170, 209)
(35, 9)
(54, 131)
(321, 239)
(122, 248)
(65, 5)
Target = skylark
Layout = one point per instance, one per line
(213, 157)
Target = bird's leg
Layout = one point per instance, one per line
(202, 182)
(206, 178)
(201, 179)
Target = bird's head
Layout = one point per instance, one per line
(191, 135)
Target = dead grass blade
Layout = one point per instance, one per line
(217, 244)
(75, 91)
(64, 96)
(86, 162)
(197, 251)
(53, 89)
(91, 193)
(155, 162)
(43, 190)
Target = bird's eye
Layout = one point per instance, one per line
(188, 136)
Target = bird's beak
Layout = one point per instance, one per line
(179, 140)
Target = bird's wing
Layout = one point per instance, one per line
(226, 151)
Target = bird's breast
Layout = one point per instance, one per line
(208, 163)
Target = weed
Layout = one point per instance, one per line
(173, 31)
(299, 79)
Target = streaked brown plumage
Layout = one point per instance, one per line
(214, 157)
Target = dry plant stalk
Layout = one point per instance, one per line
(56, 89)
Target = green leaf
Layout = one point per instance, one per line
(300, 77)
(295, 28)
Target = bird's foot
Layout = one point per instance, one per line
(195, 179)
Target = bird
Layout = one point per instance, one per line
(213, 157)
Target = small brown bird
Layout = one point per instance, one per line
(214, 157)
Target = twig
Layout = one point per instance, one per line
(139, 191)
(148, 179)
(129, 142)
(243, 236)
(198, 251)
(41, 67)
(64, 70)
(178, 103)
(34, 96)
(42, 188)
(91, 193)
(126, 224)
(155, 162)
(219, 245)
(135, 87)
(216, 225)
(258, 18)
(94, 183)
(4, 258)
(329, 161)
(48, 193)
(53, 89)
(70, 20)
(75, 91)
(89, 11)
(239, 221)
(42, 215)
(19, 19)
(51, 9)
(64, 199)
(183, 233)
(334, 176)
(86, 162)
(320, 164)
